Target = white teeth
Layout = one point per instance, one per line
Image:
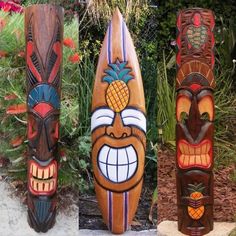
(122, 160)
(131, 154)
(34, 170)
(40, 173)
(132, 169)
(117, 164)
(103, 154)
(51, 170)
(112, 157)
(45, 174)
(122, 170)
(112, 173)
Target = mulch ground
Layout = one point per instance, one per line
(224, 190)
(91, 218)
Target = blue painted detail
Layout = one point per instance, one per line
(44, 93)
(42, 209)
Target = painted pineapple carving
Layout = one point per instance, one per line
(117, 94)
(196, 194)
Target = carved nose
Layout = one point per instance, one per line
(194, 122)
(118, 130)
(42, 147)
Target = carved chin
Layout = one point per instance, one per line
(117, 164)
(190, 155)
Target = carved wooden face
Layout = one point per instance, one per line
(121, 128)
(118, 122)
(43, 113)
(195, 114)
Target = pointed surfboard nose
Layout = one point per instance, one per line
(117, 15)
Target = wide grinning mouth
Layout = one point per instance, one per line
(192, 155)
(117, 164)
(43, 180)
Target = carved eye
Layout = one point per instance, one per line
(206, 108)
(182, 107)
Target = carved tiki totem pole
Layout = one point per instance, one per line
(195, 115)
(118, 126)
(44, 33)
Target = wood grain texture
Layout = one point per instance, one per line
(43, 35)
(195, 116)
(118, 126)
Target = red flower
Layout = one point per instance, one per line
(3, 54)
(11, 6)
(11, 96)
(68, 42)
(16, 109)
(17, 141)
(74, 58)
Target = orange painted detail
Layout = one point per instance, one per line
(117, 95)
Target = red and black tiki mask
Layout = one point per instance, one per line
(43, 28)
(195, 115)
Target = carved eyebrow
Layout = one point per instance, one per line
(134, 117)
(102, 116)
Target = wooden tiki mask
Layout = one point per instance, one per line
(118, 126)
(195, 115)
(43, 34)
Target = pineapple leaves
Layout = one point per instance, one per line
(108, 79)
(112, 73)
(123, 73)
(118, 71)
(127, 78)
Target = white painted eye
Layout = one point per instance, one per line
(134, 117)
(101, 117)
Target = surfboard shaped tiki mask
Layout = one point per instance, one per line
(195, 115)
(118, 126)
(44, 33)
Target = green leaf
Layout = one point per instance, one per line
(108, 79)
(127, 78)
(122, 65)
(115, 67)
(113, 74)
(123, 73)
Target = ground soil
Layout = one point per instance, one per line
(91, 218)
(224, 190)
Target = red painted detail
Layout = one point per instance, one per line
(57, 49)
(31, 131)
(179, 21)
(178, 41)
(197, 19)
(30, 50)
(43, 108)
(212, 22)
(178, 58)
(195, 87)
(56, 133)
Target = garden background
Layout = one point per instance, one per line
(153, 29)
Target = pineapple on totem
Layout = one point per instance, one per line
(117, 94)
(196, 194)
